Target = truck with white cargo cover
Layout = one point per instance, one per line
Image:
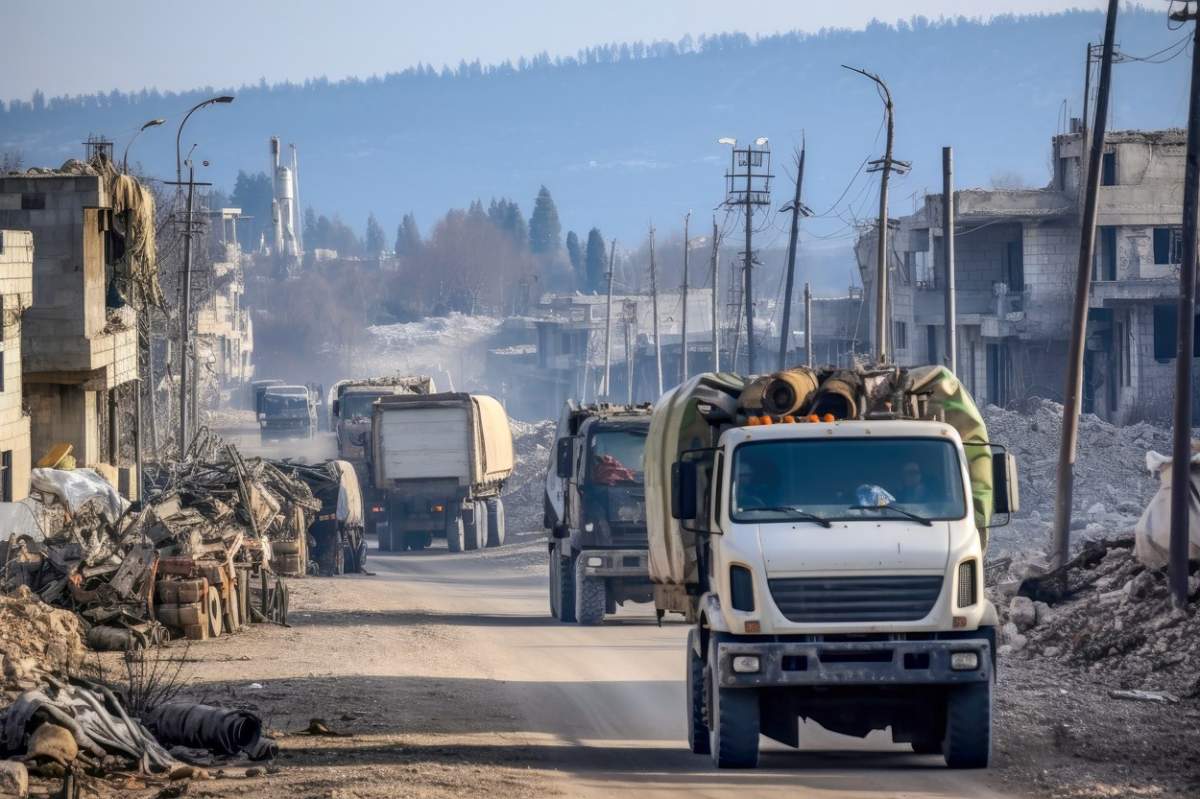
(825, 532)
(349, 404)
(440, 461)
(595, 512)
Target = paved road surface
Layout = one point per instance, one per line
(605, 704)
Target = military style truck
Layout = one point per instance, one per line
(825, 532)
(349, 405)
(595, 512)
(440, 462)
(287, 412)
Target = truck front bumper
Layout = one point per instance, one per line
(615, 562)
(849, 663)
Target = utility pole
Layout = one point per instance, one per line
(630, 319)
(683, 368)
(1083, 281)
(948, 250)
(797, 211)
(884, 165)
(654, 307)
(1181, 478)
(185, 323)
(716, 314)
(751, 156)
(607, 388)
(808, 339)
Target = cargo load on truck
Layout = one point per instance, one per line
(441, 460)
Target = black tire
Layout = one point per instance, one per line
(415, 541)
(697, 725)
(591, 596)
(455, 532)
(733, 723)
(927, 747)
(565, 573)
(384, 533)
(555, 586)
(968, 742)
(495, 522)
(474, 526)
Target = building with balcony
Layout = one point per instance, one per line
(1016, 255)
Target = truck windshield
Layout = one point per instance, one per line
(847, 479)
(356, 405)
(284, 403)
(616, 457)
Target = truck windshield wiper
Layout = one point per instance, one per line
(795, 511)
(915, 517)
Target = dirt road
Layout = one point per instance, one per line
(452, 680)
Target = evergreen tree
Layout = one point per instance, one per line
(575, 256)
(309, 228)
(506, 215)
(375, 242)
(545, 231)
(596, 261)
(252, 192)
(475, 213)
(408, 237)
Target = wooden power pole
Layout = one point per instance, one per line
(716, 313)
(683, 344)
(607, 387)
(808, 326)
(797, 210)
(654, 309)
(1083, 281)
(948, 255)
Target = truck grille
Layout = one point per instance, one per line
(852, 599)
(628, 535)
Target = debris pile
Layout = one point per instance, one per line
(1112, 484)
(525, 490)
(36, 638)
(336, 541)
(1112, 619)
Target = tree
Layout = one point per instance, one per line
(575, 256)
(408, 237)
(545, 231)
(506, 215)
(596, 260)
(253, 193)
(375, 243)
(309, 228)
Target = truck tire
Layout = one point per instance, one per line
(475, 526)
(495, 522)
(968, 742)
(697, 725)
(416, 541)
(455, 534)
(591, 596)
(562, 587)
(733, 723)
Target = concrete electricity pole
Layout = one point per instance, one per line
(948, 250)
(754, 155)
(1083, 281)
(884, 165)
(185, 324)
(654, 308)
(683, 344)
(1181, 478)
(797, 210)
(808, 339)
(716, 313)
(612, 254)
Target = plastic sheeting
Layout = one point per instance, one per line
(75, 488)
(1152, 535)
(349, 504)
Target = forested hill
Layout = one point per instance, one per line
(623, 135)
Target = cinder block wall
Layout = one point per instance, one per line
(16, 294)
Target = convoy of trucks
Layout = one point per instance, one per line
(440, 461)
(595, 512)
(824, 532)
(286, 412)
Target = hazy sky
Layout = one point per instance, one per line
(221, 43)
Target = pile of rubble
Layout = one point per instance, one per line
(1111, 618)
(1112, 484)
(525, 490)
(36, 638)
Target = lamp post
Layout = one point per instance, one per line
(153, 123)
(224, 98)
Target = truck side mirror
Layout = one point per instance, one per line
(563, 452)
(337, 404)
(1005, 489)
(683, 490)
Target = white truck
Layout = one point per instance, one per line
(825, 533)
(440, 461)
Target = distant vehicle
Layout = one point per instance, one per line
(595, 512)
(256, 390)
(441, 460)
(350, 404)
(287, 412)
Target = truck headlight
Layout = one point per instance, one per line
(964, 661)
(746, 664)
(595, 562)
(966, 583)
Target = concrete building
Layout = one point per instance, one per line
(16, 294)
(224, 331)
(1016, 254)
(76, 352)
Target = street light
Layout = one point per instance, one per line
(154, 123)
(224, 98)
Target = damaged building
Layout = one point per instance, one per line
(16, 294)
(1016, 255)
(224, 330)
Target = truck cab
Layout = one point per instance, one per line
(287, 412)
(596, 513)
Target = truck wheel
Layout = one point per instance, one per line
(697, 727)
(455, 534)
(563, 572)
(495, 522)
(591, 596)
(475, 525)
(415, 541)
(733, 724)
(384, 533)
(555, 586)
(968, 742)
